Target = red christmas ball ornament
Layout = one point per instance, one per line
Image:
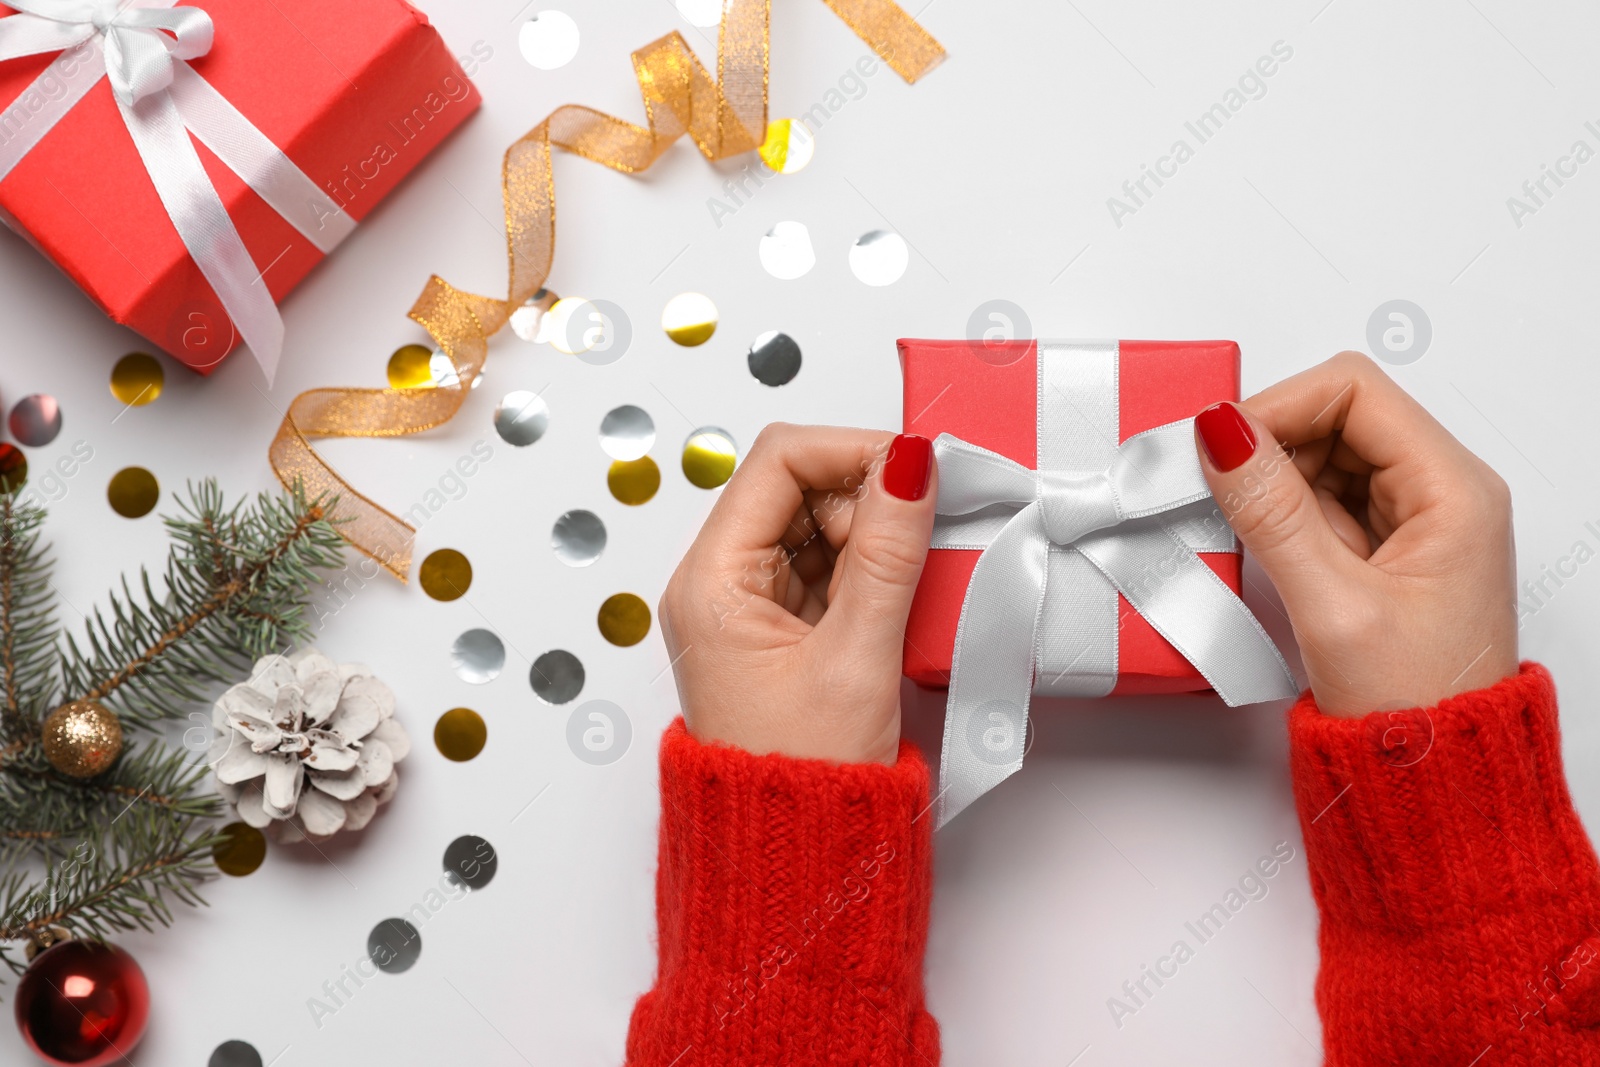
(83, 1003)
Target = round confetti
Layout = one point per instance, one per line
(235, 1054)
(774, 358)
(570, 325)
(709, 457)
(477, 656)
(394, 945)
(459, 734)
(443, 372)
(470, 861)
(634, 481)
(549, 40)
(788, 146)
(527, 322)
(445, 574)
(578, 538)
(409, 367)
(133, 492)
(35, 420)
(786, 251)
(522, 418)
(627, 432)
(556, 677)
(13, 468)
(879, 257)
(624, 619)
(689, 319)
(703, 13)
(241, 849)
(137, 379)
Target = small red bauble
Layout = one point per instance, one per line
(83, 1003)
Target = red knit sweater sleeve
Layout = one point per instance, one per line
(1460, 896)
(792, 912)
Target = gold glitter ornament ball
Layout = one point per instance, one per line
(82, 739)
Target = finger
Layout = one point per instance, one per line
(769, 487)
(1377, 423)
(1272, 508)
(879, 567)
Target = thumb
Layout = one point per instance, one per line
(878, 568)
(1271, 507)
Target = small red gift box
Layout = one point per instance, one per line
(988, 394)
(356, 93)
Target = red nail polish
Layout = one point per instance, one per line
(910, 465)
(1227, 436)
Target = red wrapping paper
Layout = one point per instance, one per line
(987, 394)
(355, 92)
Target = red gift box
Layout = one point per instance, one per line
(356, 93)
(987, 394)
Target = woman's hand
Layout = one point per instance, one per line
(786, 618)
(1389, 542)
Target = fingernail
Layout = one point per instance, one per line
(1227, 436)
(909, 466)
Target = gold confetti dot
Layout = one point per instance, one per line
(689, 319)
(133, 492)
(624, 619)
(445, 574)
(460, 734)
(634, 481)
(241, 849)
(788, 146)
(137, 379)
(409, 367)
(709, 457)
(13, 468)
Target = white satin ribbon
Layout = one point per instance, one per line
(141, 47)
(1059, 543)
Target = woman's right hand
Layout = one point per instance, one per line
(1389, 542)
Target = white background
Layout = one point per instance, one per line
(1376, 166)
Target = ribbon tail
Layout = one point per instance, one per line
(263, 166)
(1186, 603)
(203, 224)
(898, 39)
(991, 673)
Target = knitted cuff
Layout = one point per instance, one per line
(1447, 814)
(792, 902)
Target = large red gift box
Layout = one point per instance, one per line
(355, 92)
(986, 393)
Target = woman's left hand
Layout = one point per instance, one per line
(786, 618)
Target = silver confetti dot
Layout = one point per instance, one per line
(785, 252)
(578, 538)
(556, 677)
(626, 433)
(35, 420)
(394, 945)
(879, 257)
(477, 656)
(470, 861)
(527, 322)
(522, 417)
(774, 358)
(234, 1054)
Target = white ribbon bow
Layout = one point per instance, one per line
(1040, 612)
(141, 45)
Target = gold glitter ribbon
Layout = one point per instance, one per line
(724, 117)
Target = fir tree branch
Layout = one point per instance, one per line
(28, 636)
(95, 892)
(237, 582)
(226, 594)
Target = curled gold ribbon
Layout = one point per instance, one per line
(724, 117)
